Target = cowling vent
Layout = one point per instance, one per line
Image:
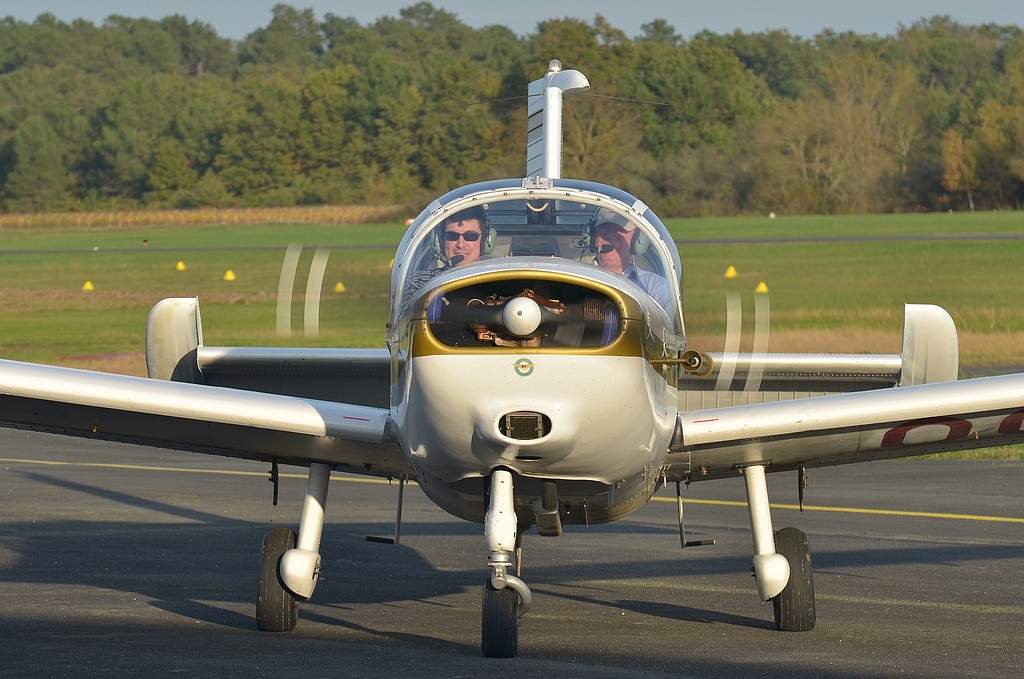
(524, 425)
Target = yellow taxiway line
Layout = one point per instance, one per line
(357, 479)
(855, 510)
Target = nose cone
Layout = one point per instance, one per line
(521, 316)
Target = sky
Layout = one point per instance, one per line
(237, 18)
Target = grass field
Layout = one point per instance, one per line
(844, 296)
(825, 296)
(848, 296)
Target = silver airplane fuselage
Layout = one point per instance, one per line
(470, 396)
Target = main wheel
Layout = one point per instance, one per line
(794, 605)
(276, 608)
(499, 636)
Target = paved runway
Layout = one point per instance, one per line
(127, 560)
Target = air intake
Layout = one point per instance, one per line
(525, 425)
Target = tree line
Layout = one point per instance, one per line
(158, 114)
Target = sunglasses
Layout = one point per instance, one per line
(469, 236)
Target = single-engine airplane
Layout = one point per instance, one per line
(536, 374)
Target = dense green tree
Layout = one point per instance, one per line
(128, 133)
(704, 90)
(258, 158)
(661, 31)
(787, 64)
(331, 146)
(201, 50)
(292, 38)
(172, 176)
(145, 112)
(38, 179)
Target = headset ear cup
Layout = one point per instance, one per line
(587, 237)
(487, 245)
(435, 243)
(640, 243)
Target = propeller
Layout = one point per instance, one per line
(729, 361)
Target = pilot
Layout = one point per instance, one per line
(457, 241)
(615, 241)
(462, 235)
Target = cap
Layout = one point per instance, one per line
(608, 216)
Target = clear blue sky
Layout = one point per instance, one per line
(237, 18)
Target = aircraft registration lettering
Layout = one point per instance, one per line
(936, 429)
(928, 430)
(1012, 423)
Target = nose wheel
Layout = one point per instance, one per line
(499, 636)
(506, 597)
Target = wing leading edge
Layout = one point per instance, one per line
(199, 418)
(854, 427)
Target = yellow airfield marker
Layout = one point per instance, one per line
(761, 287)
(230, 275)
(731, 272)
(180, 266)
(88, 287)
(339, 287)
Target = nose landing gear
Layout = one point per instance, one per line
(506, 597)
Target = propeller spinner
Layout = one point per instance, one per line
(521, 316)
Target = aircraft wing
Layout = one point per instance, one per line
(853, 427)
(200, 418)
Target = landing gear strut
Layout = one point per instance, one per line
(782, 561)
(290, 564)
(506, 597)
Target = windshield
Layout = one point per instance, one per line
(576, 225)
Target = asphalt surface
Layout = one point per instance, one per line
(117, 560)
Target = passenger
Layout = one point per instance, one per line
(614, 239)
(458, 240)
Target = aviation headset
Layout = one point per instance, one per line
(476, 212)
(641, 241)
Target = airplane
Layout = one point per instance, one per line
(526, 384)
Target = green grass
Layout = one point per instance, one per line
(46, 315)
(852, 288)
(937, 223)
(818, 290)
(824, 296)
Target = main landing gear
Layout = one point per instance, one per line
(506, 597)
(782, 561)
(290, 564)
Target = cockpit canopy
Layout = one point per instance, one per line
(547, 219)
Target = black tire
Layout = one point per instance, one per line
(499, 637)
(794, 605)
(276, 608)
